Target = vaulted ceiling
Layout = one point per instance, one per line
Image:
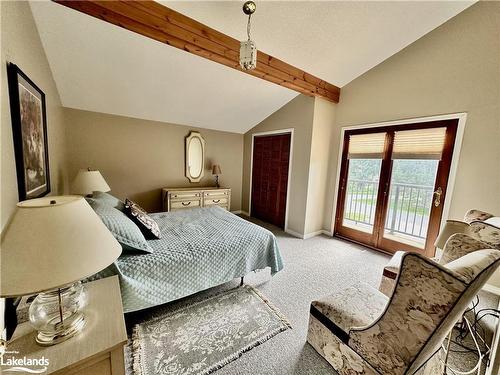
(101, 67)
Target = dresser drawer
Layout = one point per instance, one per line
(216, 194)
(186, 203)
(216, 200)
(184, 195)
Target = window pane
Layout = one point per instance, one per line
(410, 200)
(361, 195)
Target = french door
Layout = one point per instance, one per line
(393, 184)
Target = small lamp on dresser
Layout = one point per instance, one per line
(87, 181)
(216, 171)
(47, 247)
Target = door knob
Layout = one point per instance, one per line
(437, 196)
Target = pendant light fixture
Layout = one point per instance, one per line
(248, 49)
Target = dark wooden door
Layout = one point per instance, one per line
(270, 178)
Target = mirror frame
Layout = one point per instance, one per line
(192, 135)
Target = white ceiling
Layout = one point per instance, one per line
(103, 68)
(334, 40)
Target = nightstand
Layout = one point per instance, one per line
(97, 350)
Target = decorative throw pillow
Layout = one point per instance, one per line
(108, 199)
(148, 226)
(124, 229)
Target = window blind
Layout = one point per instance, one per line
(419, 144)
(366, 146)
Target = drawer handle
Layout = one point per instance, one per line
(185, 204)
(216, 200)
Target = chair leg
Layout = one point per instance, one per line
(241, 282)
(447, 352)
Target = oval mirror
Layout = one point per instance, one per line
(195, 156)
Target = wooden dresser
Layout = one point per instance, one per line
(182, 198)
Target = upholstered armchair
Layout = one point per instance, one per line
(478, 233)
(362, 331)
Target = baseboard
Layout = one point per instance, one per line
(491, 289)
(312, 234)
(240, 212)
(295, 234)
(308, 235)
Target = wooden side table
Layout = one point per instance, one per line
(97, 350)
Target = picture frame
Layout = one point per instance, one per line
(29, 130)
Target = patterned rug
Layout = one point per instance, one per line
(203, 337)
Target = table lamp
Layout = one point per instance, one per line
(450, 228)
(216, 172)
(87, 181)
(47, 247)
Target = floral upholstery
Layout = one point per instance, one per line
(476, 215)
(356, 306)
(459, 245)
(339, 355)
(479, 235)
(468, 268)
(404, 338)
(485, 232)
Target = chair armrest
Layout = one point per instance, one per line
(460, 244)
(476, 215)
(391, 269)
(424, 294)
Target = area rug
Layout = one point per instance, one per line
(203, 337)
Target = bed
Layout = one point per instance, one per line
(199, 248)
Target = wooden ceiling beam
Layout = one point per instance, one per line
(165, 25)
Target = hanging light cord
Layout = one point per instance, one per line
(248, 26)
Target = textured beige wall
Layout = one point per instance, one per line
(21, 45)
(297, 114)
(138, 157)
(318, 197)
(455, 68)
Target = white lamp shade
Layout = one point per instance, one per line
(216, 169)
(51, 242)
(450, 228)
(86, 182)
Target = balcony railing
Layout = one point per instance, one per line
(408, 212)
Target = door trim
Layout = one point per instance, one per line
(290, 158)
(460, 116)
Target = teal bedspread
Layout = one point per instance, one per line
(200, 248)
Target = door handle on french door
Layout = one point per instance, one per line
(437, 196)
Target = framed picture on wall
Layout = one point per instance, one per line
(29, 129)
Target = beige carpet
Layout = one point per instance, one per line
(313, 268)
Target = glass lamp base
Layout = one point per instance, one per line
(57, 314)
(63, 332)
